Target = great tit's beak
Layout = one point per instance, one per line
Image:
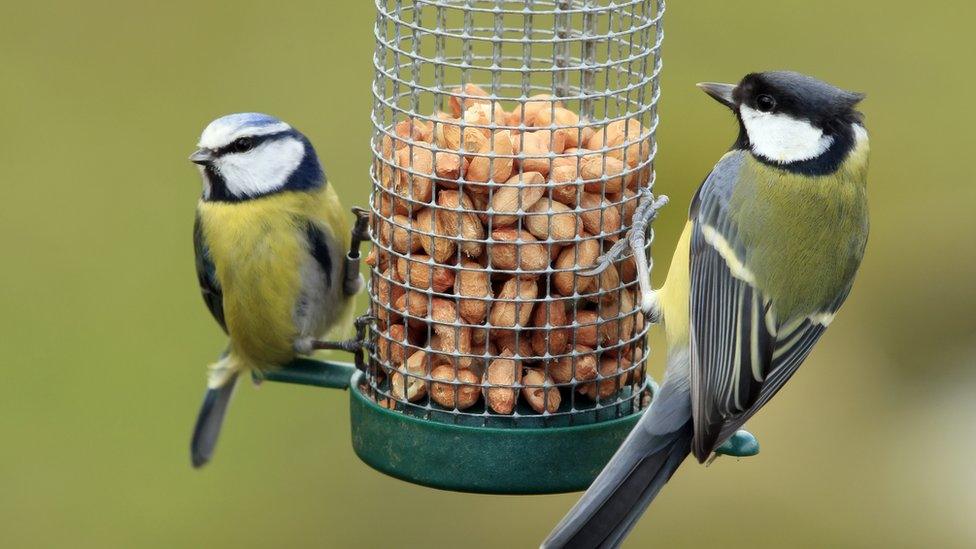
(202, 157)
(719, 92)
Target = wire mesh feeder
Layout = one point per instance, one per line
(514, 141)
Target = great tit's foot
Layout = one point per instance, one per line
(741, 444)
(349, 345)
(653, 313)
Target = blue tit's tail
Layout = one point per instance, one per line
(652, 452)
(220, 387)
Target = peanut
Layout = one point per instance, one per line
(518, 195)
(498, 167)
(401, 235)
(441, 249)
(501, 376)
(462, 392)
(416, 130)
(577, 257)
(594, 167)
(553, 219)
(585, 367)
(606, 387)
(549, 315)
(447, 132)
(513, 341)
(418, 273)
(538, 146)
(527, 112)
(539, 393)
(464, 225)
(514, 307)
(404, 384)
(459, 105)
(616, 134)
(599, 218)
(472, 282)
(524, 252)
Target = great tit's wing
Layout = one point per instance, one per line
(740, 355)
(207, 276)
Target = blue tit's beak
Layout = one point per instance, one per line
(719, 92)
(202, 157)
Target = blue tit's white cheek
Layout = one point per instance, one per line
(220, 132)
(781, 138)
(261, 170)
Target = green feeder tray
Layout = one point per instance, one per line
(488, 460)
(467, 458)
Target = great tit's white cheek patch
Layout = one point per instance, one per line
(781, 138)
(263, 169)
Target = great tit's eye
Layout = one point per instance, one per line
(765, 103)
(242, 144)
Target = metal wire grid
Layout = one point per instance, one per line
(597, 58)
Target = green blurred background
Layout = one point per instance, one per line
(104, 338)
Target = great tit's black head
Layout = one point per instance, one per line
(250, 155)
(788, 118)
(798, 96)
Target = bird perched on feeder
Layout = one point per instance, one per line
(774, 238)
(270, 238)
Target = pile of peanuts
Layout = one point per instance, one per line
(480, 235)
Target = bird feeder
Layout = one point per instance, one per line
(514, 155)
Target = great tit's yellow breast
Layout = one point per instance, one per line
(258, 247)
(675, 295)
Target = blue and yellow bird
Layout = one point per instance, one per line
(271, 241)
(774, 238)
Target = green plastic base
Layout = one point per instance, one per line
(486, 460)
(463, 458)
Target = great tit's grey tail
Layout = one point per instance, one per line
(209, 421)
(652, 452)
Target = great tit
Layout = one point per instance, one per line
(270, 238)
(774, 238)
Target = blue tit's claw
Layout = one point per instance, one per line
(364, 321)
(349, 345)
(741, 444)
(361, 230)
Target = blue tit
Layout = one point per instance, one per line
(774, 238)
(270, 238)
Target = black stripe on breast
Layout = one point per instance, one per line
(319, 249)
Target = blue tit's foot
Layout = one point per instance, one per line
(363, 322)
(360, 232)
(349, 345)
(353, 281)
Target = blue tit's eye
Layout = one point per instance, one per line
(242, 144)
(765, 103)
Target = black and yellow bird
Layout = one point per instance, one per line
(774, 238)
(271, 241)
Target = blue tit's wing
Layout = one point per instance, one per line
(740, 355)
(207, 276)
(318, 246)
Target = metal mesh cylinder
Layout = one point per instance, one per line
(511, 138)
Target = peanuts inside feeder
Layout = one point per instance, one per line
(512, 141)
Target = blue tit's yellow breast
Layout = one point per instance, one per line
(258, 247)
